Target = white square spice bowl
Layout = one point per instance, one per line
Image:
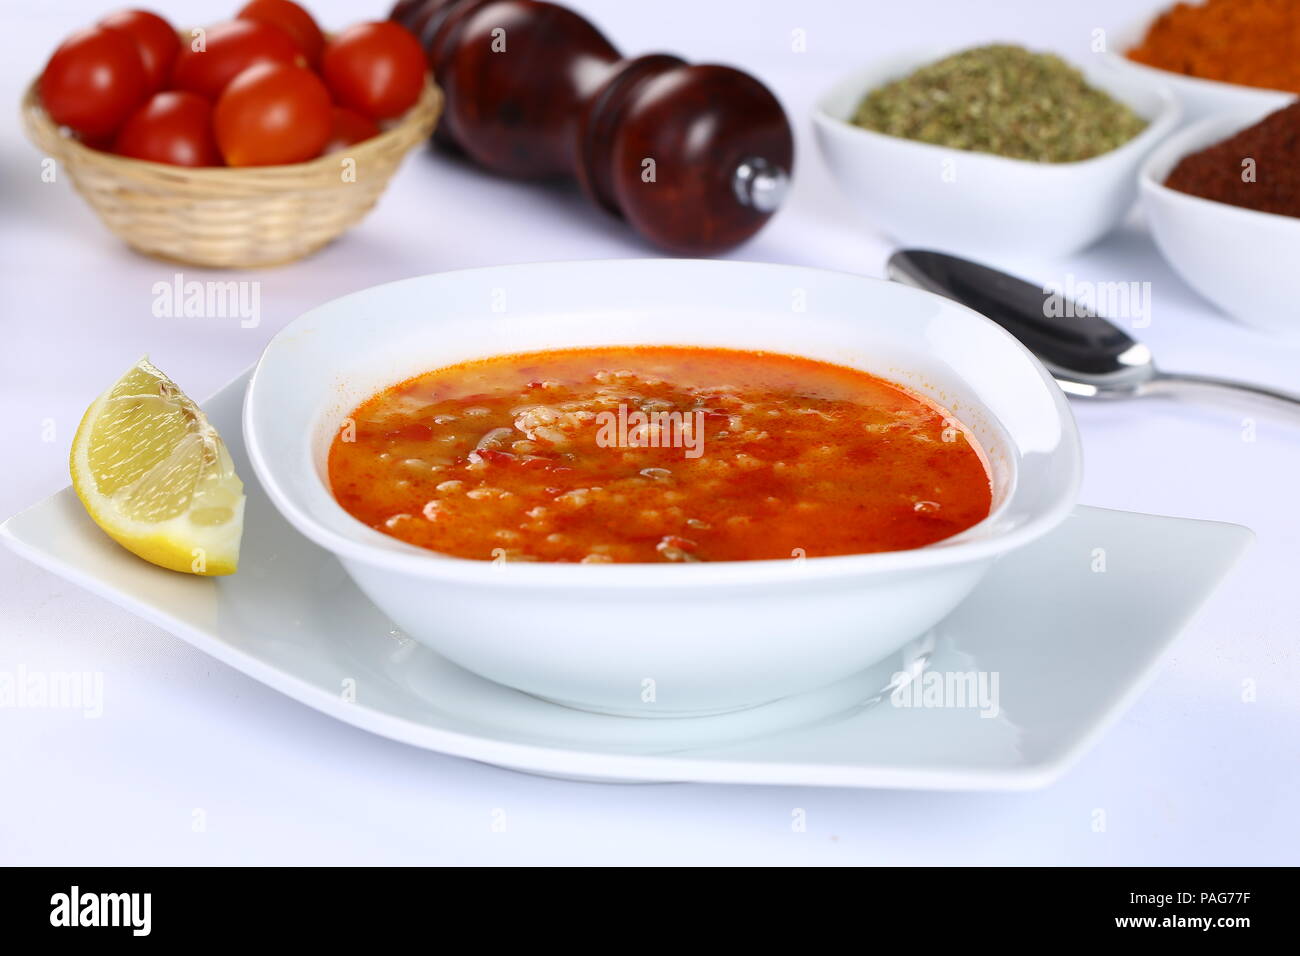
(978, 204)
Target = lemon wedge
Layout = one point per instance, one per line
(156, 476)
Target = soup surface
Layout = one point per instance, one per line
(651, 454)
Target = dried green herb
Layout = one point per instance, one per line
(1002, 99)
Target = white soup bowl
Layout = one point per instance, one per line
(662, 639)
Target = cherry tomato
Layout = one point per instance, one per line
(228, 49)
(349, 127)
(93, 82)
(156, 39)
(273, 113)
(375, 68)
(173, 127)
(290, 18)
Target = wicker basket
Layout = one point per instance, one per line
(232, 218)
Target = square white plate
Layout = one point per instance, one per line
(1071, 626)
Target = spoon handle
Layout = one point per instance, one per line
(1170, 382)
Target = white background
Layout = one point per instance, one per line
(1192, 774)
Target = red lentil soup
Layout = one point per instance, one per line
(652, 454)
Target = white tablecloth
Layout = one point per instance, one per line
(1191, 774)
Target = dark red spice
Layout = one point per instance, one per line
(1258, 168)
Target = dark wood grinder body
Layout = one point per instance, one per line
(696, 158)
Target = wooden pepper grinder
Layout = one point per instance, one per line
(696, 158)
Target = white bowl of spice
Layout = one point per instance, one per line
(1217, 56)
(991, 151)
(1222, 198)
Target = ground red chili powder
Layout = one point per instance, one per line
(1259, 168)
(1251, 42)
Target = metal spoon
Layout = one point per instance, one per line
(1088, 356)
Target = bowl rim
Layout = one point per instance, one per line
(419, 562)
(1158, 126)
(1193, 138)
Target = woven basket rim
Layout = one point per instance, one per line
(48, 136)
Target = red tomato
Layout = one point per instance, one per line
(349, 127)
(273, 113)
(375, 68)
(173, 127)
(94, 81)
(229, 49)
(290, 18)
(156, 39)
